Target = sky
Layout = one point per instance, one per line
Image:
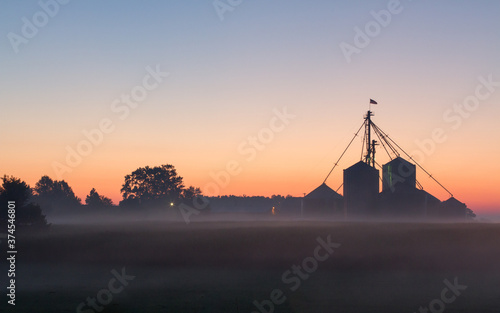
(249, 97)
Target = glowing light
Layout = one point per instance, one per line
(171, 204)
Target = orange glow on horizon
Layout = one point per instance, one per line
(480, 197)
(293, 163)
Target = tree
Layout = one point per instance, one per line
(54, 194)
(44, 186)
(160, 185)
(188, 194)
(95, 200)
(13, 189)
(26, 212)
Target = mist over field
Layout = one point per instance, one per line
(236, 266)
(159, 215)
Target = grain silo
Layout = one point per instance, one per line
(398, 174)
(400, 196)
(361, 186)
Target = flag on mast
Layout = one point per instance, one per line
(373, 101)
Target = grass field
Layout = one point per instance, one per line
(226, 266)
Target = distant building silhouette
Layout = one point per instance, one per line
(453, 208)
(398, 173)
(361, 186)
(399, 198)
(401, 195)
(323, 200)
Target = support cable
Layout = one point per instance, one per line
(336, 163)
(420, 166)
(419, 185)
(382, 142)
(384, 135)
(363, 147)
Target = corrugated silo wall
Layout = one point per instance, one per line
(396, 172)
(361, 187)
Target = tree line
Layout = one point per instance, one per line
(159, 186)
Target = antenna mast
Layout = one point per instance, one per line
(370, 144)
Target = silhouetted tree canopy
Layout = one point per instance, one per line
(159, 185)
(188, 194)
(27, 213)
(95, 200)
(13, 189)
(148, 184)
(54, 194)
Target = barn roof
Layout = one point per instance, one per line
(430, 197)
(323, 192)
(453, 202)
